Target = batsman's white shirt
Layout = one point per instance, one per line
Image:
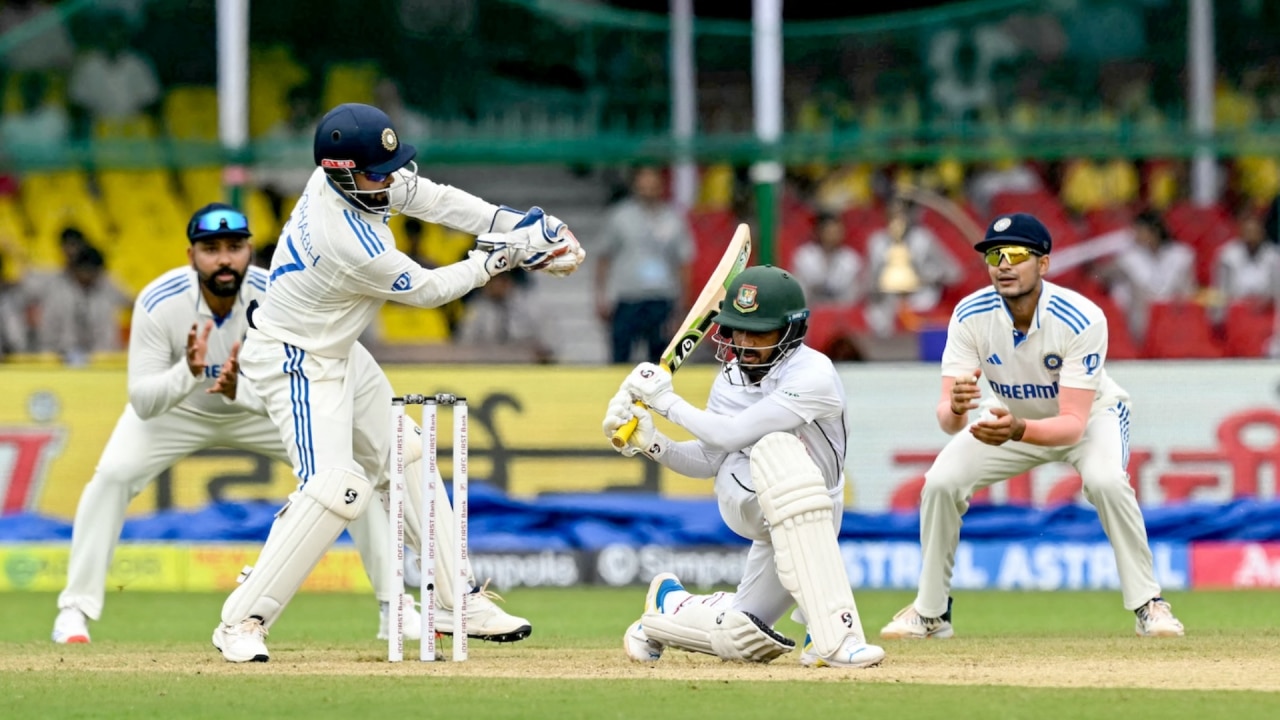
(170, 416)
(1065, 346)
(801, 395)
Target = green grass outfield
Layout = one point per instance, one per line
(1017, 655)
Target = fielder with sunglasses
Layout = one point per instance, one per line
(1041, 349)
(186, 324)
(335, 265)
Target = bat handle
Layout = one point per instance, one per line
(624, 433)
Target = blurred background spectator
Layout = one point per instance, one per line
(113, 88)
(935, 268)
(501, 316)
(80, 310)
(1155, 268)
(829, 270)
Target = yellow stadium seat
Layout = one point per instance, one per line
(273, 72)
(262, 219)
(191, 113)
(350, 82)
(40, 359)
(202, 186)
(403, 325)
(716, 191)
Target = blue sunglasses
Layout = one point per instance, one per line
(219, 220)
(375, 177)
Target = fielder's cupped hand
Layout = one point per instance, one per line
(198, 347)
(228, 374)
(965, 393)
(651, 385)
(1000, 428)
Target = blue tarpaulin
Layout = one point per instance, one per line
(593, 521)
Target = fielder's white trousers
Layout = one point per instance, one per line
(136, 453)
(966, 465)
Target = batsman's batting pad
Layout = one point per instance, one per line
(728, 634)
(301, 534)
(794, 500)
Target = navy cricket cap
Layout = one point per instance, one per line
(360, 138)
(1020, 229)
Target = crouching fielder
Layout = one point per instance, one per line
(1041, 348)
(773, 436)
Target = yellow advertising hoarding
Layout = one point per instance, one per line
(534, 430)
(144, 567)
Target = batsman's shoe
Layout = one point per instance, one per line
(412, 620)
(639, 647)
(634, 642)
(910, 625)
(71, 627)
(854, 653)
(485, 620)
(242, 642)
(1155, 619)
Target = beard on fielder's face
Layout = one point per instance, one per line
(221, 264)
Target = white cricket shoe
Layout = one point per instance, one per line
(412, 620)
(485, 620)
(635, 643)
(243, 642)
(71, 627)
(854, 653)
(1155, 619)
(911, 625)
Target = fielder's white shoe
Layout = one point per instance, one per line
(1155, 619)
(412, 620)
(71, 627)
(854, 653)
(243, 642)
(485, 620)
(635, 643)
(910, 625)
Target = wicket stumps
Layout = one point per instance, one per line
(428, 482)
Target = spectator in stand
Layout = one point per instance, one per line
(113, 83)
(14, 331)
(499, 314)
(79, 310)
(1248, 267)
(829, 270)
(411, 124)
(40, 124)
(933, 265)
(1155, 268)
(642, 267)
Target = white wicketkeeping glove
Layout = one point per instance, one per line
(651, 385)
(538, 242)
(646, 439)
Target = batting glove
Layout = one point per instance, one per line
(651, 385)
(646, 439)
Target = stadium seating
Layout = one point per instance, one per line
(1248, 327)
(827, 323)
(1180, 330)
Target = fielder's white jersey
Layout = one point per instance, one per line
(1066, 346)
(807, 385)
(159, 379)
(336, 264)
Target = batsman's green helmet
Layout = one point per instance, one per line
(763, 298)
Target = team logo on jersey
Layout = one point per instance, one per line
(402, 283)
(389, 140)
(746, 299)
(1053, 362)
(1092, 362)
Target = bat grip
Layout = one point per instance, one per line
(624, 433)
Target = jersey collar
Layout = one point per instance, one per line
(202, 307)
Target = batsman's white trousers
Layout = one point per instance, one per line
(760, 592)
(136, 453)
(966, 465)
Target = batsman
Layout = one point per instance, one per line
(774, 437)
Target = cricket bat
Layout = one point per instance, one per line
(699, 320)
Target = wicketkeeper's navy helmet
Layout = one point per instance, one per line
(355, 138)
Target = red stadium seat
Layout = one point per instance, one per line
(860, 223)
(827, 323)
(1180, 330)
(1248, 328)
(1120, 343)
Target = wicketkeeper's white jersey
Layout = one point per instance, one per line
(807, 384)
(159, 379)
(1066, 346)
(336, 264)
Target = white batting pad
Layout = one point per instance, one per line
(301, 534)
(712, 628)
(794, 500)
